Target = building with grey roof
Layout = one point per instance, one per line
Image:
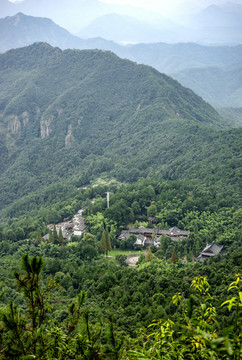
(209, 251)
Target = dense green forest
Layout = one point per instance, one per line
(75, 125)
(218, 86)
(121, 302)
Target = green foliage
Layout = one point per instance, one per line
(34, 335)
(174, 257)
(236, 302)
(149, 255)
(193, 336)
(128, 243)
(152, 210)
(121, 259)
(192, 333)
(75, 101)
(220, 87)
(105, 243)
(55, 236)
(232, 114)
(67, 105)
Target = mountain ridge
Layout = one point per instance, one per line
(167, 58)
(127, 29)
(213, 83)
(22, 30)
(78, 15)
(73, 115)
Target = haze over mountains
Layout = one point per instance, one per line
(219, 23)
(214, 25)
(191, 64)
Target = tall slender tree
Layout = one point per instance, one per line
(61, 238)
(55, 236)
(105, 243)
(174, 257)
(149, 255)
(39, 237)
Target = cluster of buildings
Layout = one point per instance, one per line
(150, 236)
(76, 226)
(145, 237)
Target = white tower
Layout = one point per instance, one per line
(108, 199)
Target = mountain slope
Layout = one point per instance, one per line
(169, 58)
(173, 59)
(70, 13)
(218, 86)
(233, 114)
(21, 30)
(69, 116)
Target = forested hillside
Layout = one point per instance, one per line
(88, 306)
(233, 114)
(218, 86)
(213, 72)
(75, 125)
(74, 115)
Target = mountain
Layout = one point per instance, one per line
(226, 15)
(218, 24)
(219, 86)
(189, 63)
(127, 29)
(76, 15)
(233, 114)
(213, 25)
(70, 14)
(67, 117)
(213, 72)
(21, 30)
(170, 58)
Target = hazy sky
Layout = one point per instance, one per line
(163, 6)
(166, 6)
(82, 12)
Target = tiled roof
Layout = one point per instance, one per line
(174, 233)
(210, 250)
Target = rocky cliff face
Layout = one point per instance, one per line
(14, 124)
(69, 139)
(46, 126)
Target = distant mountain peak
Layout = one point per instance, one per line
(211, 8)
